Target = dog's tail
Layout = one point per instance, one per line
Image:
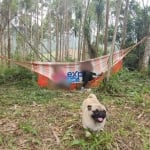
(92, 96)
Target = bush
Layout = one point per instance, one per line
(112, 86)
(18, 75)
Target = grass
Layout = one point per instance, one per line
(32, 118)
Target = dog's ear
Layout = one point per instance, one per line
(89, 107)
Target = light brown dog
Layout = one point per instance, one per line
(93, 114)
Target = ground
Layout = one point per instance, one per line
(32, 118)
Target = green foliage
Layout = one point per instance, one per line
(101, 141)
(131, 61)
(28, 127)
(126, 84)
(112, 86)
(17, 75)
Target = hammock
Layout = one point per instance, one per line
(72, 70)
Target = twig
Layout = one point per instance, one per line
(55, 135)
(118, 95)
(140, 115)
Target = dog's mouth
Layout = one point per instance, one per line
(99, 116)
(100, 119)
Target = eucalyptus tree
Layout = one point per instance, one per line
(124, 27)
(99, 10)
(7, 13)
(24, 7)
(146, 56)
(61, 13)
(145, 63)
(110, 62)
(78, 24)
(137, 28)
(106, 27)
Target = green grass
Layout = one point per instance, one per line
(36, 118)
(101, 141)
(27, 127)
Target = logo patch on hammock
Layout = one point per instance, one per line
(74, 76)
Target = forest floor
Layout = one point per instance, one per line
(32, 118)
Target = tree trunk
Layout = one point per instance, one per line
(106, 28)
(110, 61)
(84, 23)
(125, 24)
(37, 31)
(61, 43)
(57, 39)
(42, 37)
(1, 44)
(98, 33)
(50, 38)
(9, 46)
(31, 30)
(79, 40)
(66, 30)
(146, 56)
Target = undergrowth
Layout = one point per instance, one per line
(124, 81)
(17, 75)
(36, 118)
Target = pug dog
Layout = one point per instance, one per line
(93, 114)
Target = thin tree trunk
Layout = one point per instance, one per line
(84, 38)
(50, 44)
(79, 41)
(57, 39)
(98, 33)
(61, 37)
(37, 33)
(31, 38)
(1, 42)
(66, 30)
(125, 24)
(25, 33)
(110, 61)
(9, 46)
(41, 39)
(106, 28)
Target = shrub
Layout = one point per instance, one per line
(18, 75)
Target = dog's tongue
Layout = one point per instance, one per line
(100, 119)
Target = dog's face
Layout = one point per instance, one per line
(93, 114)
(97, 113)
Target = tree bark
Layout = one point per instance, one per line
(79, 40)
(98, 33)
(57, 38)
(146, 56)
(50, 36)
(9, 46)
(106, 28)
(125, 24)
(110, 61)
(84, 38)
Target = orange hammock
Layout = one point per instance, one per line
(72, 71)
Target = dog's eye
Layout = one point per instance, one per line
(104, 111)
(89, 107)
